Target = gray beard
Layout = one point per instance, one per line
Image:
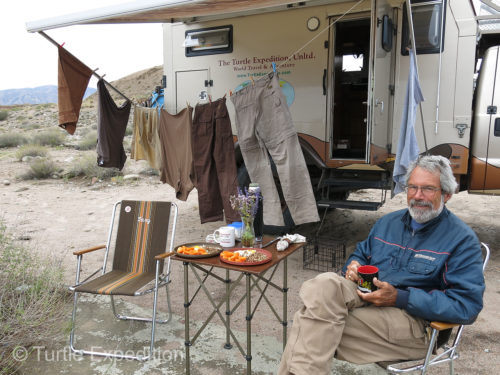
(422, 215)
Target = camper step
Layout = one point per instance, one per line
(355, 205)
(356, 183)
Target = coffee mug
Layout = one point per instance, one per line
(225, 236)
(366, 274)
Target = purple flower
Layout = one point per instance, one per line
(246, 203)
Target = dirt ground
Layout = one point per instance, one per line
(55, 217)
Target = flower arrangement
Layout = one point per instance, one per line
(246, 203)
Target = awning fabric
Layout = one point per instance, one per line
(168, 11)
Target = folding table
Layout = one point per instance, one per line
(257, 277)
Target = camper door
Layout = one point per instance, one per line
(361, 66)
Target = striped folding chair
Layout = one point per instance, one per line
(138, 263)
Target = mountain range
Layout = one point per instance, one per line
(36, 95)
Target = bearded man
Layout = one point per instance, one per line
(430, 268)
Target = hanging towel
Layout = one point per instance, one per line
(146, 144)
(407, 146)
(111, 126)
(177, 168)
(73, 79)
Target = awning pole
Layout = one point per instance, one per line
(414, 48)
(94, 73)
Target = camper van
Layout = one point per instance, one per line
(343, 68)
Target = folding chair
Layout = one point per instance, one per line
(139, 254)
(441, 333)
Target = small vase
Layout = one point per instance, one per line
(247, 232)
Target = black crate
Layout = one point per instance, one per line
(324, 255)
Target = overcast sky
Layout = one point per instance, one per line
(30, 60)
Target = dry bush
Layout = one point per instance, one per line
(32, 301)
(31, 150)
(40, 169)
(52, 137)
(12, 140)
(88, 141)
(87, 167)
(4, 115)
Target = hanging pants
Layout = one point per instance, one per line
(335, 321)
(265, 126)
(214, 162)
(177, 156)
(146, 144)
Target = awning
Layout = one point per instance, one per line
(168, 11)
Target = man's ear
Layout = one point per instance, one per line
(447, 197)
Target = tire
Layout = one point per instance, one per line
(244, 181)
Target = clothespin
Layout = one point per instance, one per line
(230, 93)
(274, 67)
(210, 98)
(224, 97)
(187, 104)
(253, 82)
(62, 45)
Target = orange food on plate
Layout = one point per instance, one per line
(232, 256)
(196, 250)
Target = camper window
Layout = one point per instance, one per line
(428, 22)
(209, 41)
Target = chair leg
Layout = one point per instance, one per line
(73, 318)
(452, 369)
(428, 356)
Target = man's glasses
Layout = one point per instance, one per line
(426, 190)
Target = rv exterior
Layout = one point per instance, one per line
(343, 68)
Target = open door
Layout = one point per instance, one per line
(381, 101)
(350, 50)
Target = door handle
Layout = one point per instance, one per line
(324, 81)
(380, 103)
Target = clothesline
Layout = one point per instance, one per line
(93, 72)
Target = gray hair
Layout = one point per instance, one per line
(436, 164)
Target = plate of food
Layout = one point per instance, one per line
(198, 250)
(246, 256)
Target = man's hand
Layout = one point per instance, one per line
(385, 295)
(352, 271)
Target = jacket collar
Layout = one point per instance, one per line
(429, 224)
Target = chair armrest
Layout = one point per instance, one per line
(440, 326)
(164, 255)
(81, 252)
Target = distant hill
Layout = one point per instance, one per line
(36, 95)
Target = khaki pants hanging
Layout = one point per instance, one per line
(334, 320)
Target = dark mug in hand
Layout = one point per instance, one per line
(366, 274)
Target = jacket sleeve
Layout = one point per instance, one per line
(462, 286)
(362, 253)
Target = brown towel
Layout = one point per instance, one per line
(73, 79)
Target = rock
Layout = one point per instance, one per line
(6, 182)
(24, 238)
(24, 188)
(27, 159)
(131, 177)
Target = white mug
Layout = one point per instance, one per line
(225, 236)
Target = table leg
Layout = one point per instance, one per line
(285, 301)
(249, 325)
(228, 345)
(187, 343)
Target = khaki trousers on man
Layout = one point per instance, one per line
(335, 321)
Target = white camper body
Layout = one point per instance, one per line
(343, 67)
(344, 79)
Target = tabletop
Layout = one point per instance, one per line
(277, 256)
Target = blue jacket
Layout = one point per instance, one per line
(437, 269)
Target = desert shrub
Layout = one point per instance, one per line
(12, 140)
(4, 115)
(129, 131)
(149, 172)
(33, 300)
(52, 137)
(31, 150)
(86, 166)
(40, 169)
(88, 141)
